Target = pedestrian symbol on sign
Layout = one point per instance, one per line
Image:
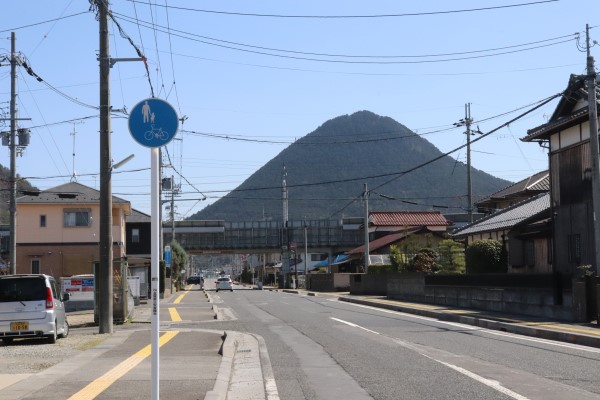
(153, 122)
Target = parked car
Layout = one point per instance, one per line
(224, 284)
(31, 306)
(193, 280)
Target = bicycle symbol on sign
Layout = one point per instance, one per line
(156, 133)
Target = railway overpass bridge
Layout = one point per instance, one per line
(266, 237)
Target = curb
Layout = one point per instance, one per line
(245, 370)
(533, 331)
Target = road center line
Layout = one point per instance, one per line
(102, 383)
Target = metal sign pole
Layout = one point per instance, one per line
(155, 224)
(153, 123)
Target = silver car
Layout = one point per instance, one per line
(31, 306)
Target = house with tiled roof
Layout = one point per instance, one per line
(567, 136)
(58, 230)
(524, 229)
(387, 228)
(513, 194)
(384, 222)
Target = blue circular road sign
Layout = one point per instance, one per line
(153, 122)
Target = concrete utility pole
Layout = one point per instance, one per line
(467, 121)
(105, 274)
(172, 208)
(593, 116)
(366, 196)
(285, 256)
(305, 256)
(13, 154)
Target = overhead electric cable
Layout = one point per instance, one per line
(541, 104)
(356, 16)
(174, 85)
(42, 22)
(124, 35)
(265, 53)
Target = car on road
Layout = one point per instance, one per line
(32, 306)
(193, 280)
(224, 283)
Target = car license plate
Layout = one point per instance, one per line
(19, 326)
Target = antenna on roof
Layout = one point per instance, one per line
(74, 175)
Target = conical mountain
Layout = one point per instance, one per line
(327, 169)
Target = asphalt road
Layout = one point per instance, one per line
(321, 348)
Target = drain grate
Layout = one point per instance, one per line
(244, 351)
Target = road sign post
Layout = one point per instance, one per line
(153, 123)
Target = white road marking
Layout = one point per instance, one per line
(485, 330)
(488, 382)
(354, 325)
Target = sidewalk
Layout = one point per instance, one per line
(586, 334)
(194, 363)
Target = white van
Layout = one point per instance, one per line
(31, 306)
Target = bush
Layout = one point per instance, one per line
(381, 269)
(424, 261)
(485, 256)
(452, 257)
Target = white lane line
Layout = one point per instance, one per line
(485, 330)
(488, 382)
(354, 325)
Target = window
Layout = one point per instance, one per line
(79, 217)
(35, 266)
(135, 235)
(43, 221)
(318, 257)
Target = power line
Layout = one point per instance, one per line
(153, 26)
(353, 16)
(43, 22)
(465, 56)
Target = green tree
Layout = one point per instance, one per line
(179, 260)
(452, 257)
(485, 256)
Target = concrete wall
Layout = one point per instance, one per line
(370, 284)
(329, 282)
(527, 301)
(321, 282)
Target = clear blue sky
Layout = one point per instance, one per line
(268, 72)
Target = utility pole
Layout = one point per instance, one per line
(593, 116)
(366, 224)
(467, 121)
(305, 256)
(172, 208)
(105, 274)
(285, 257)
(13, 154)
